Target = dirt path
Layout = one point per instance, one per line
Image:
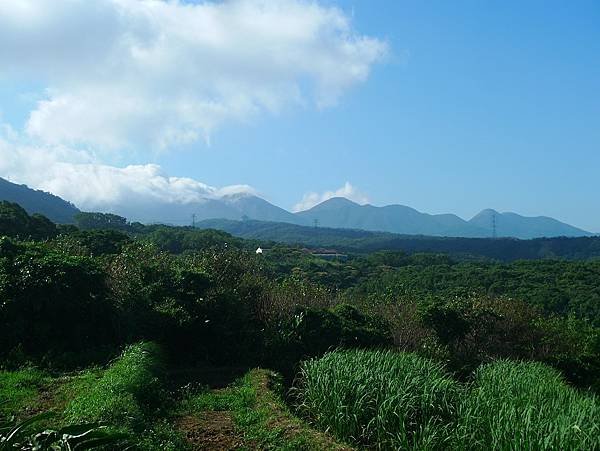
(211, 431)
(268, 424)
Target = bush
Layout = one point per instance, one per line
(51, 301)
(201, 307)
(519, 405)
(573, 347)
(379, 398)
(311, 332)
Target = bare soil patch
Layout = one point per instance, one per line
(211, 431)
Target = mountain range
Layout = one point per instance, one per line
(343, 213)
(337, 212)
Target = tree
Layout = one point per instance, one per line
(106, 221)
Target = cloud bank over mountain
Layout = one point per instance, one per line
(82, 179)
(137, 77)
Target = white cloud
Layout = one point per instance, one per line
(79, 177)
(153, 74)
(348, 191)
(139, 76)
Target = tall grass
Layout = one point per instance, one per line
(128, 387)
(385, 399)
(519, 405)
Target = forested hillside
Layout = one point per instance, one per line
(35, 201)
(361, 241)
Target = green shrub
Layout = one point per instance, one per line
(200, 307)
(311, 332)
(51, 301)
(125, 392)
(524, 405)
(383, 398)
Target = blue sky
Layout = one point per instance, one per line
(473, 105)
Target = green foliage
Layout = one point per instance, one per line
(16, 223)
(125, 393)
(311, 332)
(402, 401)
(96, 242)
(260, 414)
(28, 435)
(555, 286)
(51, 301)
(514, 405)
(379, 398)
(19, 389)
(178, 240)
(205, 297)
(201, 307)
(104, 221)
(465, 332)
(161, 435)
(573, 347)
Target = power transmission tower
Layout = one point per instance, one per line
(494, 232)
(194, 220)
(316, 223)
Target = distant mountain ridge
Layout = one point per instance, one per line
(36, 201)
(336, 212)
(233, 207)
(343, 213)
(512, 224)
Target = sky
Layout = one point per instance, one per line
(448, 107)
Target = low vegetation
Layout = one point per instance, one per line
(20, 388)
(125, 392)
(260, 416)
(401, 401)
(524, 405)
(379, 398)
(31, 434)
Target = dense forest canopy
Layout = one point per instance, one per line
(361, 241)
